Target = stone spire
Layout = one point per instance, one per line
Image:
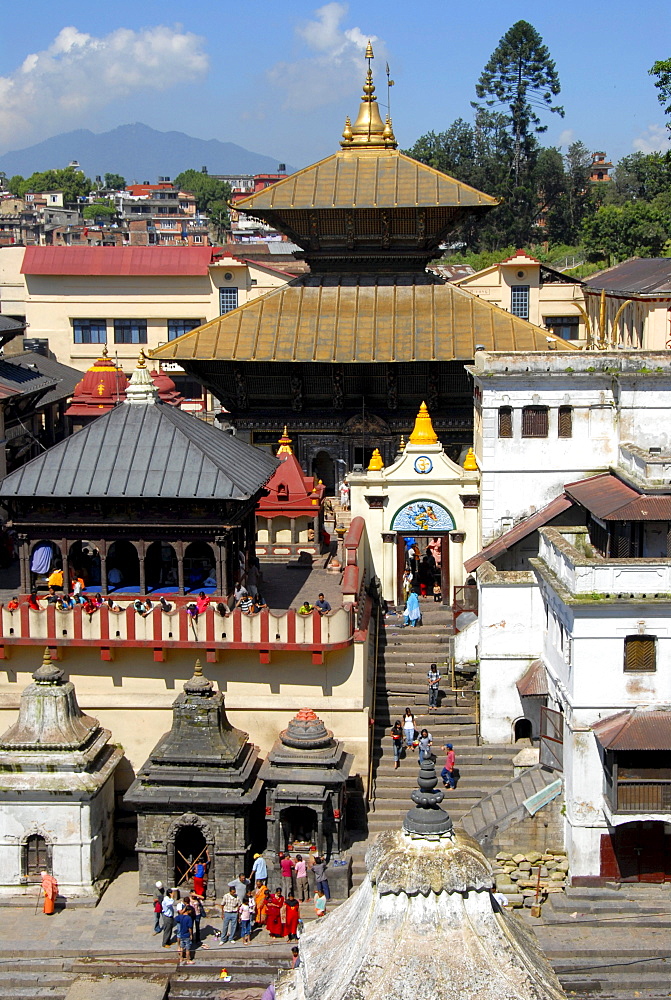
(307, 732)
(141, 389)
(427, 819)
(369, 131)
(423, 432)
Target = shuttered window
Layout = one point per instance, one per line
(505, 422)
(35, 856)
(565, 426)
(535, 422)
(640, 653)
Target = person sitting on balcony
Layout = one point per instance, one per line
(143, 608)
(222, 609)
(203, 602)
(52, 596)
(64, 603)
(259, 603)
(305, 608)
(112, 605)
(13, 605)
(166, 606)
(322, 605)
(33, 601)
(90, 607)
(246, 605)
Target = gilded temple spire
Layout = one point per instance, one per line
(285, 444)
(369, 130)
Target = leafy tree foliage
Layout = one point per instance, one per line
(662, 70)
(71, 182)
(635, 229)
(102, 209)
(115, 182)
(207, 190)
(521, 75)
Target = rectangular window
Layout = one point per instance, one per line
(505, 422)
(565, 422)
(130, 331)
(535, 422)
(176, 327)
(566, 327)
(89, 331)
(519, 301)
(228, 299)
(640, 653)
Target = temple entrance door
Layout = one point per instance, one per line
(642, 852)
(323, 467)
(190, 846)
(405, 559)
(299, 828)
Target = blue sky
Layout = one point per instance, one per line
(279, 78)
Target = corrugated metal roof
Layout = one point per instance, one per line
(646, 276)
(103, 261)
(520, 531)
(359, 318)
(67, 378)
(535, 681)
(635, 731)
(22, 381)
(608, 498)
(366, 178)
(152, 450)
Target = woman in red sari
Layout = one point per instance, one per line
(273, 914)
(291, 922)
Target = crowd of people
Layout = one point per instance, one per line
(247, 907)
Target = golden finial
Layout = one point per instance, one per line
(376, 463)
(104, 352)
(368, 130)
(142, 361)
(401, 446)
(285, 443)
(423, 432)
(388, 131)
(347, 131)
(470, 465)
(369, 51)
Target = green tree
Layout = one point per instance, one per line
(219, 220)
(206, 189)
(102, 209)
(115, 182)
(640, 177)
(71, 182)
(521, 76)
(662, 70)
(14, 185)
(635, 229)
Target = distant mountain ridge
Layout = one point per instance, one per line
(137, 152)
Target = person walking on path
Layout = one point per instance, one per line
(412, 615)
(167, 918)
(409, 729)
(199, 869)
(240, 886)
(424, 743)
(319, 872)
(287, 870)
(261, 904)
(397, 742)
(259, 873)
(50, 889)
(229, 914)
(302, 887)
(293, 914)
(433, 678)
(447, 773)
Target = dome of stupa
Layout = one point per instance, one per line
(102, 388)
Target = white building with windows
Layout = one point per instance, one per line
(77, 298)
(574, 590)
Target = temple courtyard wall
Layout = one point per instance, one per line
(132, 695)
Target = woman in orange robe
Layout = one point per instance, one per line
(261, 900)
(50, 890)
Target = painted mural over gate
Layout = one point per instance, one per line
(423, 515)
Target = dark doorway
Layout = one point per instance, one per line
(299, 826)
(642, 852)
(123, 566)
(323, 467)
(190, 846)
(35, 857)
(523, 730)
(428, 558)
(362, 456)
(160, 566)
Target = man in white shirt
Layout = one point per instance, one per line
(167, 918)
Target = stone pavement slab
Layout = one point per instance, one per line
(117, 988)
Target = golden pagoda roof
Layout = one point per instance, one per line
(361, 177)
(360, 318)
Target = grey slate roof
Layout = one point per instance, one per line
(23, 381)
(638, 276)
(151, 451)
(39, 365)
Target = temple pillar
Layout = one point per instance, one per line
(102, 549)
(141, 550)
(389, 566)
(24, 562)
(65, 549)
(179, 550)
(292, 524)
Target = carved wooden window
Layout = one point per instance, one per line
(505, 422)
(640, 653)
(565, 425)
(35, 856)
(535, 422)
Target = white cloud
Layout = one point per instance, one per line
(654, 139)
(79, 74)
(566, 137)
(334, 67)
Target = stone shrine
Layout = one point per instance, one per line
(195, 794)
(305, 776)
(424, 923)
(57, 773)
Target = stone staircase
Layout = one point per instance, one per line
(403, 660)
(610, 942)
(506, 805)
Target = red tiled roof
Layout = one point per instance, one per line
(534, 681)
(520, 531)
(171, 261)
(635, 731)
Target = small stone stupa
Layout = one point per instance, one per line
(423, 924)
(57, 775)
(195, 794)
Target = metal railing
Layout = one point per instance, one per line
(643, 795)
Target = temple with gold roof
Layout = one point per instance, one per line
(346, 353)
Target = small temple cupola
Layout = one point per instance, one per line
(368, 209)
(141, 389)
(57, 772)
(305, 777)
(196, 793)
(101, 389)
(424, 883)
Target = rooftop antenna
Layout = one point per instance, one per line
(390, 84)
